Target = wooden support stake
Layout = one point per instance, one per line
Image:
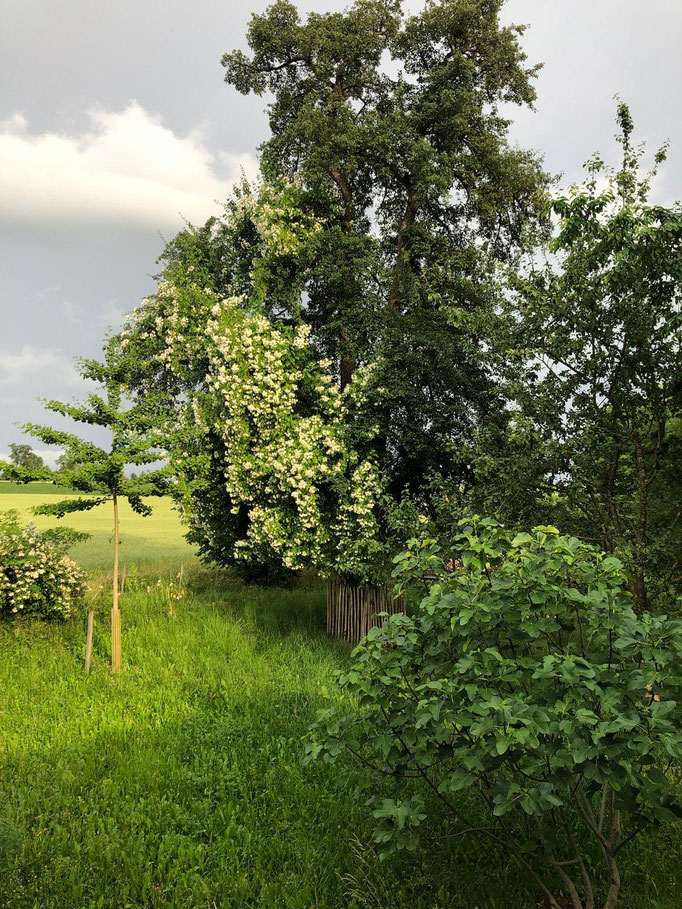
(115, 612)
(88, 642)
(115, 639)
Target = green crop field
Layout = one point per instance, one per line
(155, 540)
(31, 489)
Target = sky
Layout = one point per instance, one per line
(115, 125)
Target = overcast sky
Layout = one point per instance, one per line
(115, 122)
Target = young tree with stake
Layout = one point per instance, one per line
(99, 472)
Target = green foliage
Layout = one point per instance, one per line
(181, 785)
(64, 538)
(9, 521)
(385, 202)
(36, 577)
(65, 461)
(424, 155)
(526, 677)
(594, 362)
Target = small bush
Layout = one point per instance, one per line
(36, 578)
(526, 679)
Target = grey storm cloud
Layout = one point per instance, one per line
(115, 123)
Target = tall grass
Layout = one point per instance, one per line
(179, 782)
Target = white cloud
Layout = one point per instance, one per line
(126, 167)
(49, 455)
(52, 367)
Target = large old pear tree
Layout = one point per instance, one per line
(320, 345)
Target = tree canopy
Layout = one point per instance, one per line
(88, 469)
(22, 455)
(393, 126)
(389, 193)
(593, 355)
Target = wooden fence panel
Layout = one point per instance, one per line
(352, 610)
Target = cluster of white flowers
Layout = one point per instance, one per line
(35, 578)
(179, 339)
(282, 224)
(357, 530)
(287, 463)
(281, 420)
(168, 328)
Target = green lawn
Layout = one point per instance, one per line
(154, 540)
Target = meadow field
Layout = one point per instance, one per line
(155, 540)
(180, 783)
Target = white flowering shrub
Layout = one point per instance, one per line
(287, 234)
(36, 578)
(274, 463)
(291, 472)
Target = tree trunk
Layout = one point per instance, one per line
(402, 248)
(351, 609)
(346, 365)
(115, 612)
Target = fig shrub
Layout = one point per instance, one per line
(524, 681)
